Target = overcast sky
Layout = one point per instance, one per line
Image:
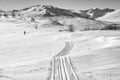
(68, 4)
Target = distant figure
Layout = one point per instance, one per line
(36, 26)
(24, 32)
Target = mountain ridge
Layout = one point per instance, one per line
(51, 11)
(96, 12)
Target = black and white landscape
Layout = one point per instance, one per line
(44, 42)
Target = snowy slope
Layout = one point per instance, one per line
(83, 24)
(113, 17)
(27, 57)
(96, 12)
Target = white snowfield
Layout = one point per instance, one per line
(51, 55)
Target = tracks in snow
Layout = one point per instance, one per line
(62, 69)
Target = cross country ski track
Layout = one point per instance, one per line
(62, 66)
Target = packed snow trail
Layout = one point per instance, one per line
(62, 67)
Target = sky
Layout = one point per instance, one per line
(67, 4)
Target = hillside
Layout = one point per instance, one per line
(83, 24)
(95, 12)
(112, 17)
(48, 16)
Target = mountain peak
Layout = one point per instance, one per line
(96, 12)
(94, 8)
(37, 8)
(48, 10)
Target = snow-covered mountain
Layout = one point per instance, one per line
(112, 17)
(47, 15)
(96, 12)
(47, 11)
(51, 11)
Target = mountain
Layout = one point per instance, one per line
(47, 11)
(95, 12)
(112, 17)
(51, 11)
(49, 16)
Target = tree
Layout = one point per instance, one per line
(6, 15)
(0, 15)
(70, 27)
(13, 14)
(32, 19)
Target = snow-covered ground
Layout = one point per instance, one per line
(28, 57)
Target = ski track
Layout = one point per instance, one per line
(62, 67)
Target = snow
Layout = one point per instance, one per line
(113, 17)
(27, 57)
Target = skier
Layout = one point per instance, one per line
(24, 32)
